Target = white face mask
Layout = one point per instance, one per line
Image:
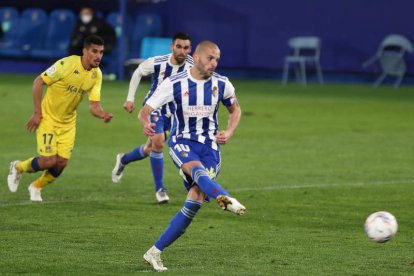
(86, 18)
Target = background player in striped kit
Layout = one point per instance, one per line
(160, 67)
(195, 139)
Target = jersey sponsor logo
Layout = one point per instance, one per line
(51, 70)
(73, 89)
(198, 110)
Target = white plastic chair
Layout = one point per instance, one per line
(390, 55)
(306, 50)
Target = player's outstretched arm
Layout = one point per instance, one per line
(234, 119)
(97, 111)
(144, 69)
(34, 121)
(143, 117)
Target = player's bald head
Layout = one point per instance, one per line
(203, 46)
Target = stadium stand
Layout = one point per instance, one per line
(60, 26)
(30, 35)
(306, 50)
(9, 19)
(150, 47)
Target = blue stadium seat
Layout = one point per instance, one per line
(31, 33)
(145, 25)
(59, 30)
(9, 20)
(110, 61)
(154, 46)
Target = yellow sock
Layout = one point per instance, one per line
(45, 179)
(25, 166)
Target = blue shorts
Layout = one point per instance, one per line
(185, 150)
(162, 122)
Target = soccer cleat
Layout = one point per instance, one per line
(231, 204)
(161, 196)
(118, 169)
(153, 257)
(13, 179)
(34, 192)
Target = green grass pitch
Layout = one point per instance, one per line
(310, 164)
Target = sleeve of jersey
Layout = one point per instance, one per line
(54, 72)
(95, 92)
(229, 97)
(164, 94)
(144, 69)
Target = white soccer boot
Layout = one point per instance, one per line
(161, 196)
(13, 179)
(118, 169)
(153, 257)
(231, 204)
(35, 194)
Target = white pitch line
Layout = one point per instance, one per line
(326, 185)
(248, 189)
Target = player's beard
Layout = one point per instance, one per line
(179, 58)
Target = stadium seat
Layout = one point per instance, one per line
(145, 25)
(150, 47)
(9, 20)
(31, 33)
(390, 55)
(306, 50)
(110, 61)
(60, 27)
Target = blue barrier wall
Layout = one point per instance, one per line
(253, 34)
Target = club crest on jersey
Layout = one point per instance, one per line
(76, 72)
(215, 91)
(93, 75)
(184, 154)
(186, 94)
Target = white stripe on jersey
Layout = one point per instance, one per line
(163, 69)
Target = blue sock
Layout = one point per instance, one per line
(178, 224)
(134, 155)
(206, 184)
(157, 165)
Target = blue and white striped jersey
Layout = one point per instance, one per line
(160, 68)
(195, 105)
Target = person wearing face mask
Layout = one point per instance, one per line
(88, 24)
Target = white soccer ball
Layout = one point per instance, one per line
(381, 226)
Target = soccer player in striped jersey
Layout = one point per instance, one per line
(195, 139)
(160, 67)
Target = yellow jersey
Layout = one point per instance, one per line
(67, 82)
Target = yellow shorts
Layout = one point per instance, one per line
(53, 140)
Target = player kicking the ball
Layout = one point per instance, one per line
(54, 117)
(159, 67)
(195, 139)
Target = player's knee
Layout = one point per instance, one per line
(196, 194)
(47, 162)
(61, 163)
(158, 144)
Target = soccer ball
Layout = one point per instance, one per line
(381, 226)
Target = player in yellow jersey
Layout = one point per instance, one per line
(54, 117)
